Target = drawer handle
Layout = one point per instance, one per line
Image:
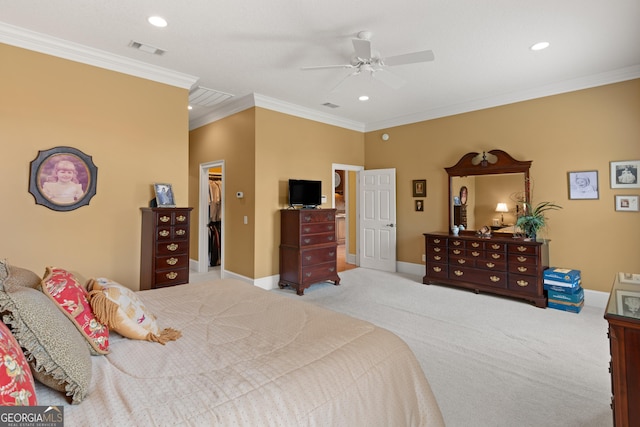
(331, 254)
(437, 257)
(522, 283)
(331, 269)
(475, 244)
(165, 218)
(330, 217)
(436, 240)
(457, 242)
(307, 218)
(496, 256)
(522, 258)
(522, 269)
(181, 218)
(494, 279)
(180, 232)
(462, 261)
(308, 257)
(436, 249)
(522, 248)
(458, 273)
(330, 238)
(163, 233)
(330, 227)
(172, 247)
(172, 261)
(457, 251)
(495, 246)
(308, 274)
(307, 240)
(490, 265)
(171, 275)
(475, 253)
(307, 229)
(437, 269)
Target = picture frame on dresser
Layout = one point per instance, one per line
(63, 178)
(164, 195)
(628, 303)
(624, 174)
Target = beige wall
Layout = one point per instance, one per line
(582, 130)
(136, 132)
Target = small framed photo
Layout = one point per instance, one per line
(164, 195)
(63, 178)
(419, 188)
(419, 205)
(628, 303)
(629, 278)
(627, 203)
(625, 174)
(583, 185)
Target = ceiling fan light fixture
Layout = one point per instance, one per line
(157, 21)
(539, 46)
(363, 98)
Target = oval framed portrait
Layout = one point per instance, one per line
(63, 178)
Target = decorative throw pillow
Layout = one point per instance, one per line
(121, 310)
(12, 277)
(53, 347)
(63, 288)
(16, 383)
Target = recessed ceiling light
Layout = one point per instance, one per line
(363, 98)
(189, 107)
(157, 21)
(540, 46)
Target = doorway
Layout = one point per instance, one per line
(345, 201)
(211, 233)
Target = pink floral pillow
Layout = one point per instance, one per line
(69, 295)
(16, 383)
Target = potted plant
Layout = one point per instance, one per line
(534, 218)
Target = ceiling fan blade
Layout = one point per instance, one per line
(392, 80)
(409, 58)
(362, 48)
(326, 67)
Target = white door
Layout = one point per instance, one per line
(378, 219)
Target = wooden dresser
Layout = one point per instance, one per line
(499, 265)
(308, 248)
(624, 344)
(164, 259)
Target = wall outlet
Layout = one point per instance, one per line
(424, 257)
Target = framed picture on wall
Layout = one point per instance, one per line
(625, 174)
(627, 203)
(164, 195)
(63, 178)
(419, 188)
(583, 185)
(419, 205)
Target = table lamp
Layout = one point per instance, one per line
(502, 208)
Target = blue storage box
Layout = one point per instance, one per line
(566, 287)
(565, 275)
(574, 298)
(559, 305)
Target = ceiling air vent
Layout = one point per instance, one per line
(206, 97)
(330, 105)
(147, 48)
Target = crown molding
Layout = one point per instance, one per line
(610, 77)
(38, 42)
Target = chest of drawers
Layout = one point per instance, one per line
(164, 259)
(500, 265)
(308, 248)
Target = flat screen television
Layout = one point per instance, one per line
(305, 193)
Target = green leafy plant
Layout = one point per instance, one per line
(534, 218)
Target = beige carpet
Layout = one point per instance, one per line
(491, 361)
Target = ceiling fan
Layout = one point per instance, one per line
(366, 60)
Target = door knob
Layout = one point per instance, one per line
(391, 225)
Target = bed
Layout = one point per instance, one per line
(250, 357)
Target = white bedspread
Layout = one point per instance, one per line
(249, 357)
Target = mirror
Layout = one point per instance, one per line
(481, 181)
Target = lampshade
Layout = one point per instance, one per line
(502, 207)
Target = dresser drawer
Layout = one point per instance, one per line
(318, 273)
(475, 245)
(317, 239)
(457, 252)
(308, 216)
(521, 283)
(456, 243)
(521, 259)
(462, 261)
(437, 257)
(516, 248)
(179, 232)
(171, 277)
(496, 256)
(315, 228)
(172, 261)
(435, 269)
(529, 269)
(170, 248)
(487, 264)
(318, 256)
(436, 241)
